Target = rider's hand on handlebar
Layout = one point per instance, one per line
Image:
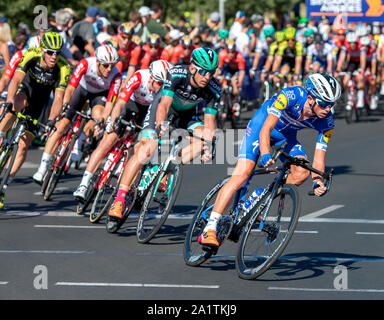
(319, 188)
(266, 160)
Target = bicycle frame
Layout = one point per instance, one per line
(120, 147)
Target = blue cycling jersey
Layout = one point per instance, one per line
(287, 105)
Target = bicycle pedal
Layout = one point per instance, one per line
(207, 249)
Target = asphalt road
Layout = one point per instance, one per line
(48, 252)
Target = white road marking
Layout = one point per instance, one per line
(3, 282)
(67, 226)
(139, 285)
(327, 290)
(47, 251)
(321, 212)
(371, 233)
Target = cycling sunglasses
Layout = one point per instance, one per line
(204, 72)
(52, 52)
(108, 65)
(323, 104)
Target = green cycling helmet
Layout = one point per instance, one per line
(51, 41)
(205, 58)
(309, 32)
(223, 34)
(269, 31)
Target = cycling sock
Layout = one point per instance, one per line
(44, 162)
(86, 178)
(2, 134)
(121, 194)
(80, 140)
(212, 221)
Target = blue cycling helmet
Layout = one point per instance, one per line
(323, 87)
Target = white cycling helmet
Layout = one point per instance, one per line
(107, 54)
(159, 70)
(351, 37)
(324, 87)
(365, 41)
(34, 42)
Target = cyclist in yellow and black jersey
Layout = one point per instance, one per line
(40, 71)
(289, 56)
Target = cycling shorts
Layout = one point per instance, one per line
(37, 102)
(80, 97)
(140, 111)
(186, 119)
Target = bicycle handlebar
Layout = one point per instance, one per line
(304, 163)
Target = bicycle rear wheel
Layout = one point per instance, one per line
(260, 245)
(158, 204)
(194, 254)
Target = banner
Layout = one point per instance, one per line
(354, 10)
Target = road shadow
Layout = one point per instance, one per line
(340, 170)
(298, 266)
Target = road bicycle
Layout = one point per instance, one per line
(263, 229)
(225, 106)
(10, 145)
(61, 160)
(266, 89)
(107, 178)
(163, 191)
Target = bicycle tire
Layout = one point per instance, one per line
(103, 199)
(145, 232)
(113, 226)
(9, 159)
(193, 253)
(58, 170)
(254, 259)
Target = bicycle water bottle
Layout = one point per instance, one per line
(254, 196)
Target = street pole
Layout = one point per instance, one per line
(222, 13)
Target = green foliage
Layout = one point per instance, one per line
(22, 10)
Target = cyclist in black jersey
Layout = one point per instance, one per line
(186, 89)
(40, 71)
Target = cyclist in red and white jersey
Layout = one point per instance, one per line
(33, 42)
(136, 96)
(95, 79)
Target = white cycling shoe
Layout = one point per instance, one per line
(38, 177)
(80, 192)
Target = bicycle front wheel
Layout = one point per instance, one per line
(158, 204)
(262, 243)
(103, 199)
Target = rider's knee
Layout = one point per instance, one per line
(299, 175)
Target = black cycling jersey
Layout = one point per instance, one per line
(44, 79)
(185, 96)
(187, 100)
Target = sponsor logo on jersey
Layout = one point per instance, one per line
(327, 135)
(281, 102)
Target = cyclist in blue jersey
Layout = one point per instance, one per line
(278, 120)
